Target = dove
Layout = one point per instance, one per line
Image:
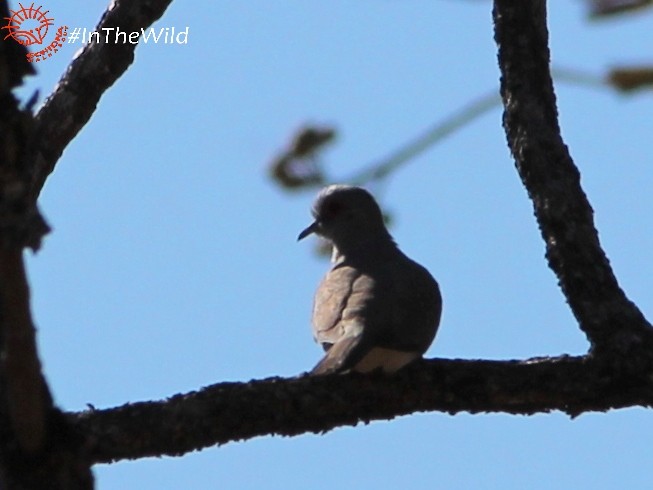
(376, 309)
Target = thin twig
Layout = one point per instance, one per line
(452, 123)
(430, 137)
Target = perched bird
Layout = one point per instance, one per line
(375, 308)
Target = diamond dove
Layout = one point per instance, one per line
(375, 308)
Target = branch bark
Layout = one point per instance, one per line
(20, 223)
(26, 391)
(33, 453)
(38, 447)
(228, 412)
(90, 74)
(612, 323)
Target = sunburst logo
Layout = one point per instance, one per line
(29, 26)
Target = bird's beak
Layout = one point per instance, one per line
(312, 228)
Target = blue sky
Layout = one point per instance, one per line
(173, 262)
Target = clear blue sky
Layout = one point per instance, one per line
(173, 262)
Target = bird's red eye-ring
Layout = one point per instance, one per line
(332, 209)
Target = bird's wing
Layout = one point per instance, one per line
(339, 301)
(339, 321)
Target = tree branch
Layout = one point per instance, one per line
(424, 141)
(26, 390)
(293, 169)
(37, 447)
(237, 411)
(612, 323)
(90, 74)
(22, 387)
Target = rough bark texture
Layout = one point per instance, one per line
(33, 453)
(39, 448)
(236, 411)
(612, 323)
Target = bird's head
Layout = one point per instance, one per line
(347, 216)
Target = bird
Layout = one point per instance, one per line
(375, 309)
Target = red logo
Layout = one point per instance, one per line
(29, 26)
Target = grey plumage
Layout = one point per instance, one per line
(375, 308)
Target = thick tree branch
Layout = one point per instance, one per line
(37, 447)
(612, 323)
(89, 75)
(26, 391)
(236, 411)
(22, 390)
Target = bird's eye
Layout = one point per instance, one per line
(332, 209)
